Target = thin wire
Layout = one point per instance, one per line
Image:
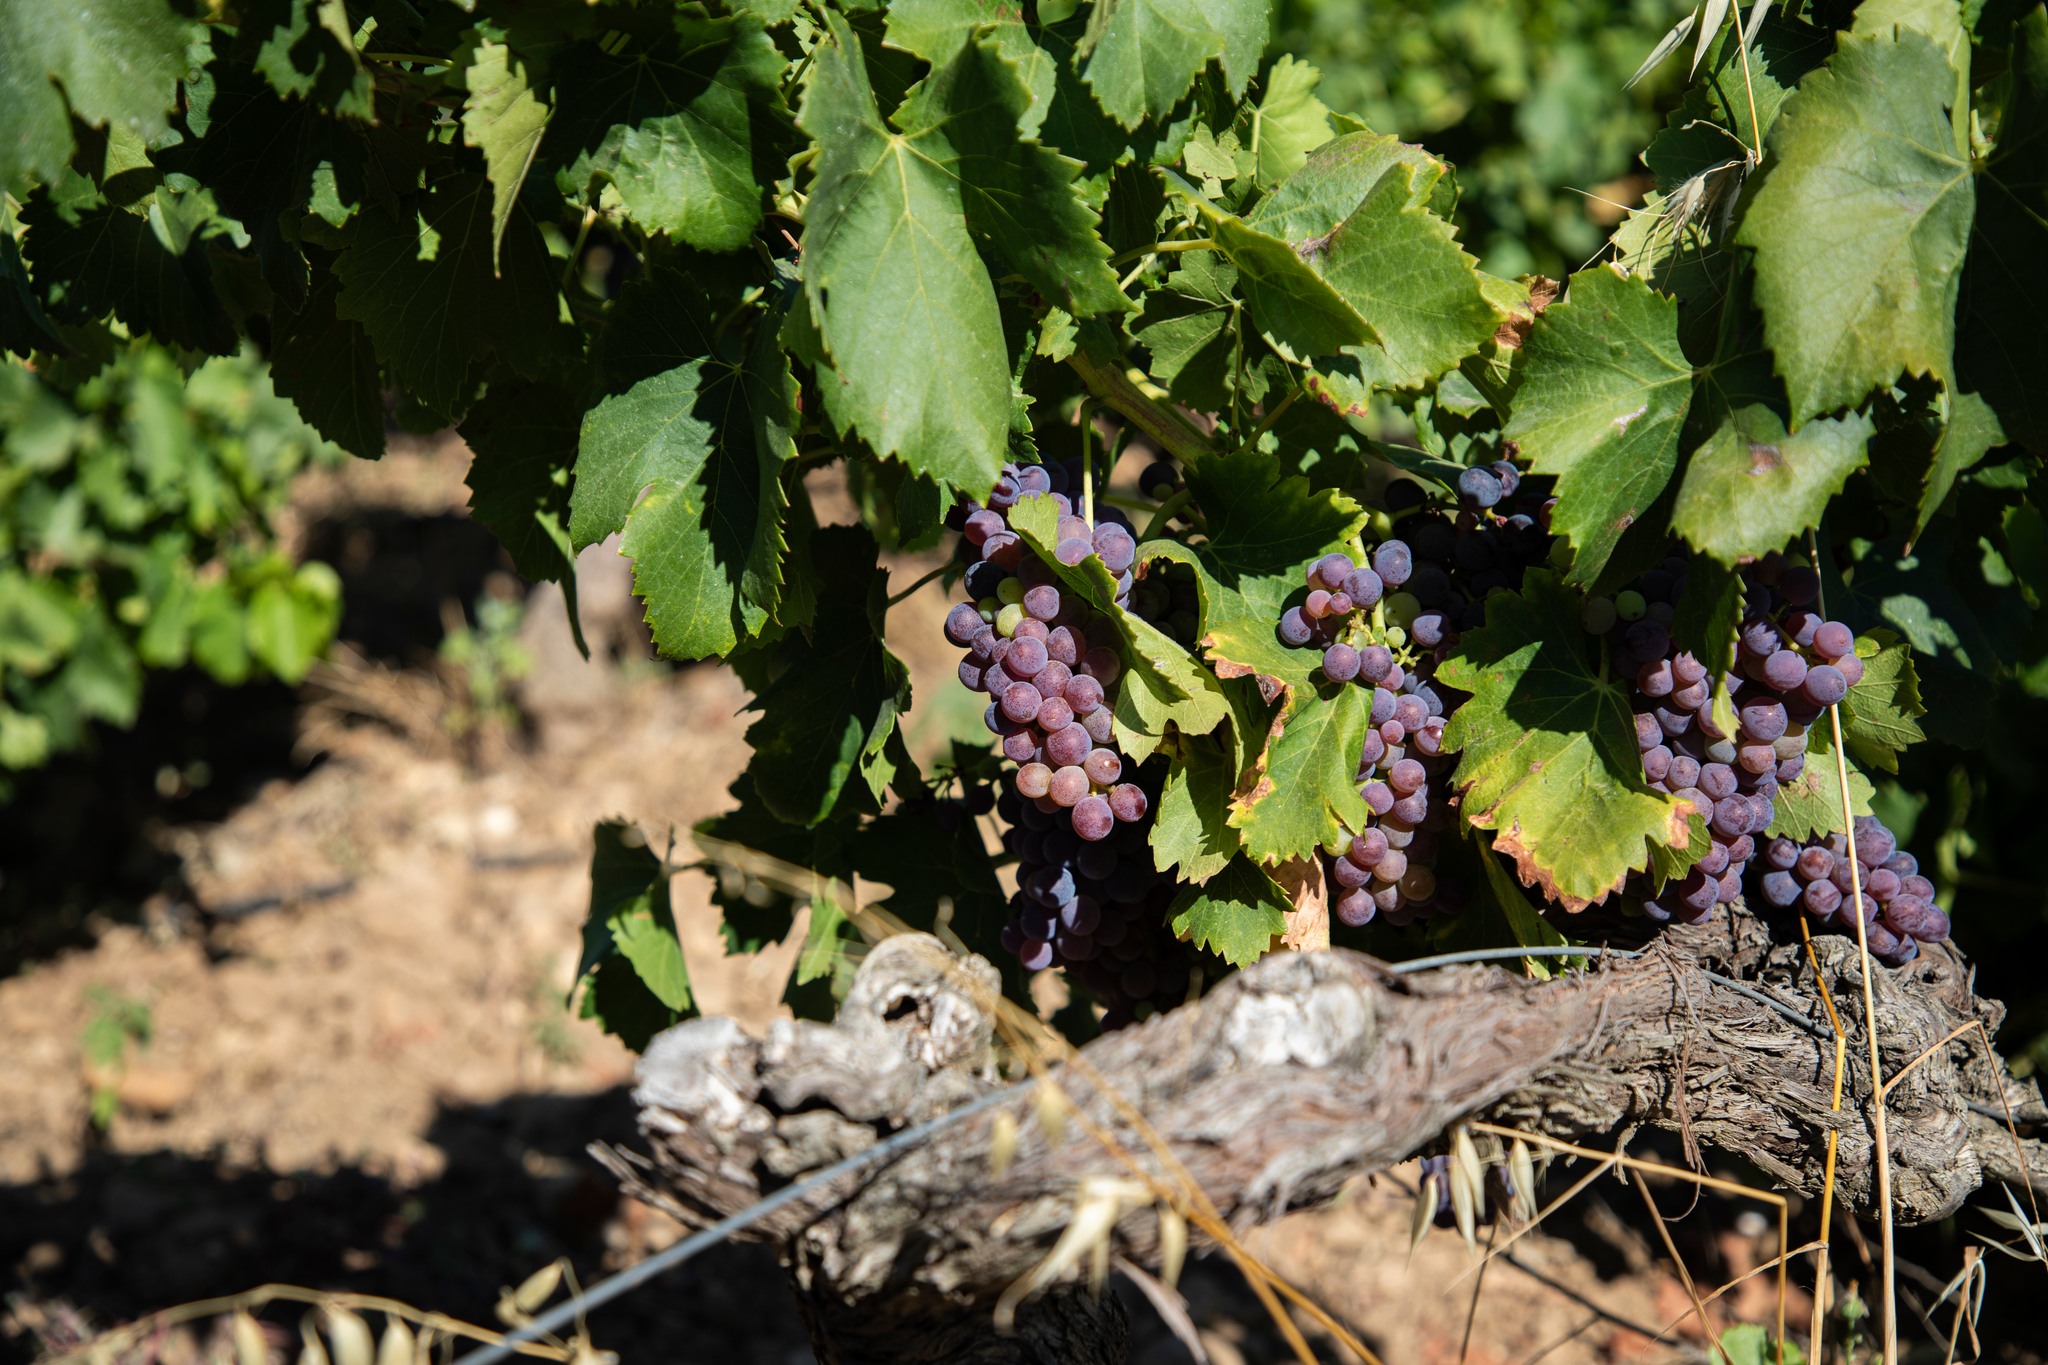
(1499, 954)
(606, 1290)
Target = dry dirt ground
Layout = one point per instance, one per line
(360, 1072)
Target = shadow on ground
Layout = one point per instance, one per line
(127, 1235)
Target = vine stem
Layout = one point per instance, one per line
(1165, 513)
(1109, 384)
(920, 583)
(1162, 249)
(1889, 1265)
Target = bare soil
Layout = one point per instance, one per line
(360, 1070)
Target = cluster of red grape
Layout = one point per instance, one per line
(1899, 913)
(1088, 898)
(1790, 665)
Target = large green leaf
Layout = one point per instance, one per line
(1236, 915)
(632, 972)
(1401, 267)
(831, 713)
(906, 308)
(1751, 487)
(937, 29)
(89, 260)
(504, 119)
(1303, 791)
(1603, 397)
(1548, 751)
(688, 462)
(329, 369)
(306, 50)
(524, 444)
(2002, 351)
(424, 289)
(1142, 55)
(670, 125)
(1018, 196)
(1190, 833)
(115, 62)
(1878, 714)
(1861, 224)
(1296, 309)
(1290, 121)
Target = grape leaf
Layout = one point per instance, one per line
(424, 289)
(100, 260)
(1303, 791)
(1018, 196)
(632, 972)
(1750, 487)
(1236, 915)
(524, 441)
(2000, 351)
(1861, 224)
(1603, 396)
(1142, 55)
(1549, 759)
(1878, 713)
(23, 325)
(904, 304)
(292, 619)
(670, 125)
(1189, 830)
(118, 62)
(833, 710)
(1335, 179)
(1194, 327)
(1401, 267)
(503, 119)
(1811, 803)
(306, 50)
(1295, 308)
(1264, 528)
(1290, 121)
(706, 442)
(937, 29)
(328, 368)
(1971, 431)
(1162, 683)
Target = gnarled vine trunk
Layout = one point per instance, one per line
(1288, 1080)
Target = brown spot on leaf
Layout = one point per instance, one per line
(1543, 291)
(1764, 457)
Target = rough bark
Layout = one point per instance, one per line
(1288, 1080)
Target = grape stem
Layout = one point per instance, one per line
(1165, 513)
(912, 589)
(1165, 427)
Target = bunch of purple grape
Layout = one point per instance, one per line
(1088, 898)
(1096, 907)
(1819, 877)
(1387, 867)
(1790, 666)
(1460, 561)
(1047, 664)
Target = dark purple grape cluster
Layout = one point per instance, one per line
(1790, 666)
(1095, 907)
(1079, 822)
(1461, 561)
(1387, 868)
(1821, 879)
(1048, 665)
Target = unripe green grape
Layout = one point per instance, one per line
(988, 607)
(1560, 554)
(1630, 605)
(1007, 620)
(1598, 615)
(1402, 608)
(1010, 592)
(1395, 637)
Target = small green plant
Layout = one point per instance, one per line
(113, 1022)
(484, 659)
(138, 497)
